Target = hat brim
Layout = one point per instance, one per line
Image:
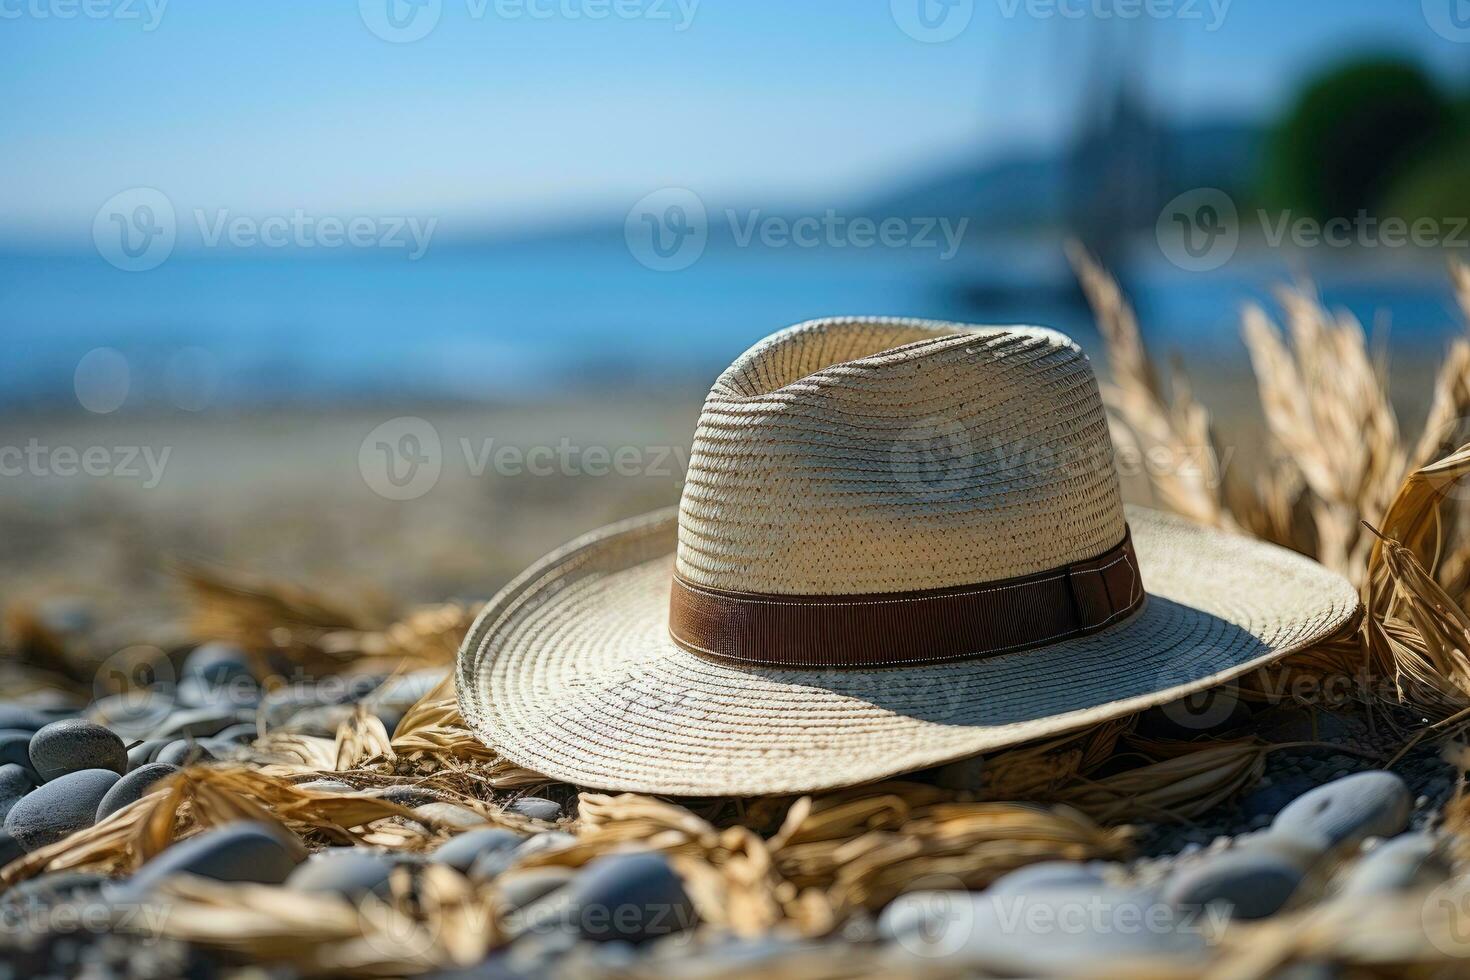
(570, 671)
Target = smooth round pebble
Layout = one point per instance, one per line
(630, 898)
(1348, 810)
(201, 722)
(23, 717)
(524, 887)
(409, 796)
(145, 752)
(217, 663)
(241, 734)
(15, 782)
(1043, 932)
(131, 715)
(132, 787)
(351, 872)
(15, 747)
(1046, 874)
(73, 745)
(492, 864)
(245, 851)
(327, 786)
(536, 808)
(1408, 861)
(1250, 884)
(1301, 848)
(9, 849)
(449, 814)
(185, 752)
(461, 852)
(66, 804)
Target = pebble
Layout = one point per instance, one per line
(409, 796)
(1251, 884)
(15, 782)
(245, 851)
(241, 734)
(185, 752)
(9, 849)
(536, 808)
(629, 898)
(1045, 932)
(449, 814)
(23, 717)
(524, 887)
(201, 722)
(461, 852)
(195, 692)
(327, 786)
(133, 787)
(131, 715)
(1408, 861)
(62, 806)
(73, 745)
(54, 888)
(15, 746)
(1046, 874)
(217, 663)
(1347, 810)
(352, 872)
(492, 864)
(145, 752)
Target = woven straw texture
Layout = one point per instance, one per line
(855, 457)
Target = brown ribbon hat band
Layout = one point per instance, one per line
(893, 628)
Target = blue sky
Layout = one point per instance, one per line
(273, 105)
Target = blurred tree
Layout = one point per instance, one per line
(1351, 135)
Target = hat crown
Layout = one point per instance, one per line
(857, 456)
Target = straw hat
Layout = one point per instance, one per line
(900, 543)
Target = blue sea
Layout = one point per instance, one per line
(518, 320)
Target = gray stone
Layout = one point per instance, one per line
(1248, 884)
(449, 814)
(9, 848)
(409, 796)
(1348, 810)
(327, 786)
(145, 752)
(15, 747)
(217, 663)
(133, 787)
(536, 808)
(321, 721)
(201, 722)
(15, 782)
(1044, 932)
(241, 734)
(352, 872)
(195, 692)
(1047, 874)
(186, 752)
(74, 745)
(493, 863)
(629, 898)
(132, 715)
(54, 888)
(66, 804)
(1407, 862)
(245, 851)
(461, 852)
(520, 889)
(1302, 848)
(23, 717)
